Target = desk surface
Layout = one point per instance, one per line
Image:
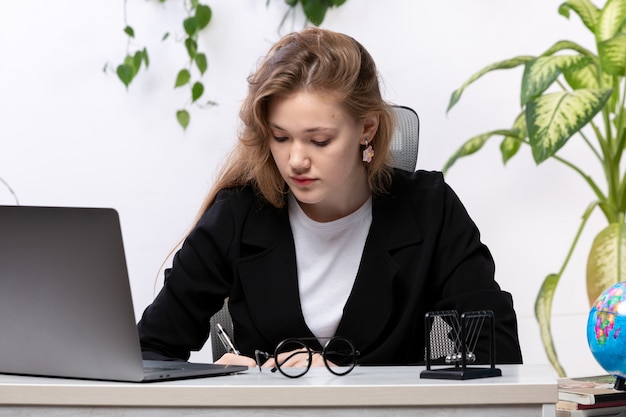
(365, 386)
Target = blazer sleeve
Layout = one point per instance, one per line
(465, 270)
(195, 287)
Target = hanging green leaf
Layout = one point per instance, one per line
(201, 62)
(553, 118)
(192, 47)
(315, 10)
(191, 25)
(129, 31)
(146, 59)
(196, 91)
(182, 78)
(203, 16)
(125, 73)
(183, 118)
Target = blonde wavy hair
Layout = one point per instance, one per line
(316, 60)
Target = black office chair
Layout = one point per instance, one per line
(404, 146)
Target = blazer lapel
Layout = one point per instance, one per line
(370, 305)
(269, 277)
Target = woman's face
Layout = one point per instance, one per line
(315, 145)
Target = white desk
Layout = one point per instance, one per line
(524, 391)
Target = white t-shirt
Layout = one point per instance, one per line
(328, 255)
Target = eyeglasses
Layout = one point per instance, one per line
(338, 353)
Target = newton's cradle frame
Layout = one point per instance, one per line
(458, 346)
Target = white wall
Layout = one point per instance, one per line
(71, 135)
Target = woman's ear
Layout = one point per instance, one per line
(370, 126)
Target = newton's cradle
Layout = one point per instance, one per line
(454, 339)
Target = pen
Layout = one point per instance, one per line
(228, 344)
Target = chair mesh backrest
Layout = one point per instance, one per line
(404, 145)
(405, 140)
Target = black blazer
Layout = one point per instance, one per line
(423, 253)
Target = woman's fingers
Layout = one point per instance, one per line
(232, 359)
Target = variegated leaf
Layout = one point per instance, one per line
(606, 264)
(540, 73)
(543, 312)
(567, 45)
(587, 11)
(511, 144)
(585, 77)
(507, 64)
(611, 20)
(612, 54)
(474, 144)
(552, 119)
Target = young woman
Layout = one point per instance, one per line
(310, 233)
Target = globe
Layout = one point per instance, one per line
(606, 330)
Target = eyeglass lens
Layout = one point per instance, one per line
(293, 357)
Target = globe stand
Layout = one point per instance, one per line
(620, 383)
(464, 337)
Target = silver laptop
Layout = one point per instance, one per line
(65, 302)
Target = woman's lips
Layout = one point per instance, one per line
(302, 181)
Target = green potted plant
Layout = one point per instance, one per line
(572, 92)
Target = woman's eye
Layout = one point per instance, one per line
(320, 143)
(280, 138)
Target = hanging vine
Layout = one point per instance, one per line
(198, 16)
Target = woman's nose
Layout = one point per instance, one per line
(298, 157)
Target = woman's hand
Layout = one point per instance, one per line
(295, 359)
(232, 359)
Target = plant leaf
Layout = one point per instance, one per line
(201, 62)
(552, 119)
(125, 73)
(182, 78)
(131, 62)
(587, 11)
(543, 312)
(540, 73)
(146, 58)
(611, 20)
(203, 16)
(315, 10)
(585, 77)
(129, 31)
(474, 144)
(511, 144)
(507, 64)
(183, 118)
(606, 264)
(563, 45)
(196, 91)
(192, 47)
(612, 54)
(191, 25)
